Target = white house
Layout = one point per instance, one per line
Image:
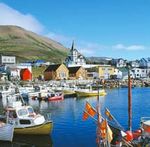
(135, 63)
(118, 73)
(75, 58)
(7, 60)
(139, 72)
(119, 62)
(144, 63)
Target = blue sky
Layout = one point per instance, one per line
(110, 28)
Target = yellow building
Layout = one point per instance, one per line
(56, 72)
(105, 71)
(77, 72)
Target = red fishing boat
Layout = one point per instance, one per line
(55, 97)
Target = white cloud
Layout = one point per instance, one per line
(89, 48)
(129, 48)
(60, 38)
(10, 16)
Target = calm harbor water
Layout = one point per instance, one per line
(69, 129)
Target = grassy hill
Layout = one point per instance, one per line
(26, 45)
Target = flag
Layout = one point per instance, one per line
(106, 132)
(85, 115)
(108, 114)
(103, 127)
(89, 111)
(109, 134)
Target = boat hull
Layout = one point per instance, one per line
(90, 94)
(6, 132)
(56, 98)
(68, 92)
(43, 129)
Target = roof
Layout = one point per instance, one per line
(74, 69)
(53, 67)
(123, 69)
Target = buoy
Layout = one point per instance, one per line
(129, 136)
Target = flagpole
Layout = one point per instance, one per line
(129, 102)
(113, 118)
(107, 142)
(98, 118)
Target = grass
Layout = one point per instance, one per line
(38, 71)
(28, 46)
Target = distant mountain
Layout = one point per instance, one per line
(26, 45)
(98, 60)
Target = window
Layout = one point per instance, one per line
(30, 110)
(12, 59)
(25, 121)
(4, 59)
(109, 69)
(12, 114)
(22, 112)
(62, 75)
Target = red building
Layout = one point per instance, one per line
(25, 74)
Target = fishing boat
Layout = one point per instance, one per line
(90, 93)
(26, 121)
(68, 91)
(55, 97)
(6, 131)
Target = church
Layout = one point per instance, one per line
(74, 58)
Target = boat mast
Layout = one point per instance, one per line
(129, 101)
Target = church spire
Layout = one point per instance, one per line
(72, 47)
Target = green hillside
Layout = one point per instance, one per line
(26, 45)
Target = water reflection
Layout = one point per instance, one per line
(29, 141)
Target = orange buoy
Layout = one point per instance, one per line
(129, 136)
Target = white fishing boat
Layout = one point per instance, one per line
(6, 131)
(26, 121)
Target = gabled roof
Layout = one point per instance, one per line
(52, 67)
(73, 69)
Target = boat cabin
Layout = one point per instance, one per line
(24, 116)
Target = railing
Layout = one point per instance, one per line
(47, 116)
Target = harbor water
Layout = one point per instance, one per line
(71, 131)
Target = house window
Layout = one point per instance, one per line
(4, 59)
(62, 75)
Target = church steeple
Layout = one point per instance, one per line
(72, 47)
